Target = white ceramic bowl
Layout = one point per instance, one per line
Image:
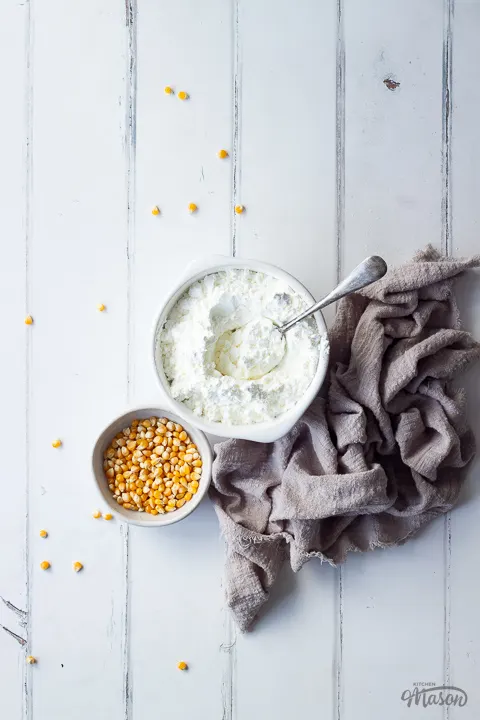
(260, 432)
(145, 519)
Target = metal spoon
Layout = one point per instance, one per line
(371, 269)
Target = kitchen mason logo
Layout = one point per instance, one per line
(424, 694)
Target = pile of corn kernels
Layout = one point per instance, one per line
(153, 466)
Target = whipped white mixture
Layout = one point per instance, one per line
(221, 353)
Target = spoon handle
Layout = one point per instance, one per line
(371, 269)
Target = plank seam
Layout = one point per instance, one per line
(447, 126)
(27, 694)
(130, 167)
(447, 106)
(340, 137)
(340, 234)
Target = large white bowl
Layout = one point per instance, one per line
(259, 432)
(132, 516)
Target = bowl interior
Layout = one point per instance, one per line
(145, 519)
(278, 426)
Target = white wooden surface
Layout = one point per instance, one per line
(331, 164)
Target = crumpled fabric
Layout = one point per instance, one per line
(374, 460)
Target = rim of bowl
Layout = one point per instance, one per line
(283, 422)
(145, 519)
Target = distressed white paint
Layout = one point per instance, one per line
(331, 165)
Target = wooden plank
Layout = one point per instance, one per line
(175, 572)
(287, 182)
(77, 259)
(464, 595)
(13, 228)
(392, 601)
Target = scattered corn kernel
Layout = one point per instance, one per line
(168, 90)
(182, 95)
(101, 307)
(222, 154)
(31, 660)
(28, 320)
(45, 565)
(77, 566)
(192, 208)
(156, 210)
(239, 209)
(182, 665)
(43, 533)
(97, 514)
(56, 443)
(147, 468)
(108, 516)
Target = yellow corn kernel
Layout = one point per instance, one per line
(108, 516)
(31, 660)
(43, 533)
(28, 320)
(154, 511)
(171, 503)
(168, 90)
(156, 210)
(197, 463)
(97, 514)
(170, 509)
(56, 443)
(77, 566)
(101, 307)
(192, 208)
(180, 503)
(239, 209)
(167, 491)
(222, 154)
(188, 496)
(182, 95)
(45, 565)
(194, 483)
(182, 665)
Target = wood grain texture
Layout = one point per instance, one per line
(351, 130)
(175, 572)
(393, 601)
(287, 182)
(78, 355)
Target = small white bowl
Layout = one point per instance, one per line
(133, 516)
(259, 432)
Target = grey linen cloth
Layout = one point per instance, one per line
(372, 463)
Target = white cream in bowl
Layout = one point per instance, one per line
(221, 355)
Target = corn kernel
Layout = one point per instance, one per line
(28, 320)
(156, 210)
(168, 90)
(31, 660)
(192, 208)
(182, 95)
(101, 307)
(97, 514)
(77, 566)
(43, 533)
(56, 443)
(239, 209)
(108, 516)
(222, 154)
(182, 665)
(45, 565)
(146, 466)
